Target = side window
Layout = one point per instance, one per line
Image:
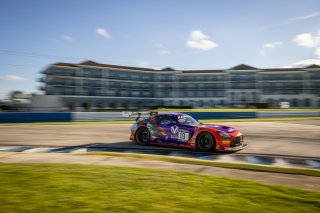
(165, 119)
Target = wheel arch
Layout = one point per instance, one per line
(138, 139)
(206, 131)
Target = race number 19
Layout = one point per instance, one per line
(183, 136)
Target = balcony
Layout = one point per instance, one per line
(282, 91)
(243, 79)
(42, 79)
(243, 86)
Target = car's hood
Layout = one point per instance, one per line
(226, 129)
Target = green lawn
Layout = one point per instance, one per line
(88, 188)
(229, 165)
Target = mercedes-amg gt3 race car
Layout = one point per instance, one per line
(181, 130)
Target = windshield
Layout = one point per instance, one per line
(187, 120)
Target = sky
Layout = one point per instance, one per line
(182, 34)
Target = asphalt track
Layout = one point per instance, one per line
(294, 138)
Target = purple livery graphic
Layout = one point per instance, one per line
(181, 130)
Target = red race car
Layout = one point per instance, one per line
(181, 130)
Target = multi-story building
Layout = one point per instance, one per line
(90, 85)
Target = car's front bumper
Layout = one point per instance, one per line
(236, 148)
(234, 144)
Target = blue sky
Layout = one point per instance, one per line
(183, 34)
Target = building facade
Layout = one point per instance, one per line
(90, 86)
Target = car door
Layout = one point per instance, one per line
(170, 128)
(185, 132)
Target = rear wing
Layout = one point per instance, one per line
(129, 114)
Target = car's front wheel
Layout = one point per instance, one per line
(143, 136)
(206, 142)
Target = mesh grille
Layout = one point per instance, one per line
(237, 141)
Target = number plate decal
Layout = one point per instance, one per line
(183, 135)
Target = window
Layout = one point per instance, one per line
(191, 86)
(294, 102)
(187, 120)
(146, 77)
(201, 93)
(135, 77)
(123, 76)
(100, 105)
(190, 94)
(307, 102)
(124, 93)
(165, 119)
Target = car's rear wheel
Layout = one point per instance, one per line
(206, 142)
(143, 136)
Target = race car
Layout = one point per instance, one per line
(181, 130)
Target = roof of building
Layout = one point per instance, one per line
(168, 69)
(291, 69)
(92, 63)
(65, 64)
(313, 66)
(238, 67)
(95, 64)
(89, 63)
(201, 71)
(243, 67)
(282, 69)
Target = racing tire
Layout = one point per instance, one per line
(143, 136)
(206, 142)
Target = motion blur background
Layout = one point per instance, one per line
(107, 55)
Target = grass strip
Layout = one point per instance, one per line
(229, 165)
(92, 188)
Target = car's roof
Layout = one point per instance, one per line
(172, 113)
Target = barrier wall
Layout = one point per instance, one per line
(98, 116)
(287, 114)
(221, 115)
(28, 117)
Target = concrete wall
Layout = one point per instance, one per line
(46, 103)
(99, 116)
(288, 114)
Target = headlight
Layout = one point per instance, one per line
(224, 135)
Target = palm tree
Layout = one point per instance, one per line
(16, 94)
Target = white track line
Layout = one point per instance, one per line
(79, 150)
(7, 148)
(39, 149)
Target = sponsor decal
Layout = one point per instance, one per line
(174, 129)
(225, 142)
(183, 135)
(230, 130)
(174, 136)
